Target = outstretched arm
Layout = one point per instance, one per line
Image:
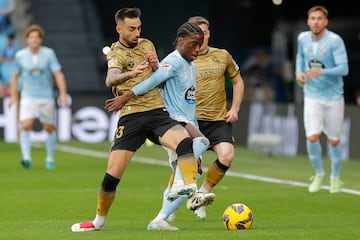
(161, 75)
(115, 76)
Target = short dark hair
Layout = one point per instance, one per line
(123, 13)
(199, 20)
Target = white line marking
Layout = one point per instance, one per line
(99, 154)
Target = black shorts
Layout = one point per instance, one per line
(133, 129)
(217, 131)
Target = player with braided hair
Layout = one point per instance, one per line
(215, 121)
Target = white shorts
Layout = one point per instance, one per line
(43, 109)
(324, 116)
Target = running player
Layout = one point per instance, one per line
(321, 64)
(35, 68)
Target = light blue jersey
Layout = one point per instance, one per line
(36, 72)
(330, 55)
(178, 92)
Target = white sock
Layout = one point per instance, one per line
(99, 221)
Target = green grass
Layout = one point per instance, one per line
(43, 204)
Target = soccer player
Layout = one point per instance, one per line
(321, 63)
(36, 66)
(7, 64)
(178, 76)
(132, 60)
(212, 65)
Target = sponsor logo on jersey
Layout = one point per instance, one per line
(36, 72)
(190, 95)
(314, 63)
(165, 65)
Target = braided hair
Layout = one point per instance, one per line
(187, 29)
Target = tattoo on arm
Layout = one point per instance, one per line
(116, 77)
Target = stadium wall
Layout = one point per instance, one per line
(270, 127)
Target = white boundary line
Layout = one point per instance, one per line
(99, 154)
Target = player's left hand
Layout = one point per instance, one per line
(231, 116)
(63, 100)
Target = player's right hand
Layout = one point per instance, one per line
(301, 78)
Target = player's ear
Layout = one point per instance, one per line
(180, 41)
(118, 28)
(326, 22)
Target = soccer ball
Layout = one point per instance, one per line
(237, 216)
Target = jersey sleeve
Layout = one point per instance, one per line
(54, 62)
(164, 72)
(299, 65)
(339, 51)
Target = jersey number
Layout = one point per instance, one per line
(119, 132)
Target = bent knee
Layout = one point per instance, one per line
(49, 128)
(226, 159)
(334, 143)
(185, 147)
(313, 138)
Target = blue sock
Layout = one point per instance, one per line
(50, 146)
(25, 145)
(169, 207)
(314, 153)
(178, 177)
(200, 145)
(335, 158)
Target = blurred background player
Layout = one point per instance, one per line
(36, 66)
(321, 63)
(7, 64)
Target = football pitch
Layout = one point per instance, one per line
(43, 204)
